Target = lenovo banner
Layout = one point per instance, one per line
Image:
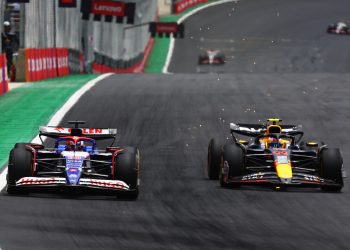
(167, 28)
(17, 1)
(108, 8)
(181, 5)
(67, 3)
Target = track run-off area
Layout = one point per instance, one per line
(302, 77)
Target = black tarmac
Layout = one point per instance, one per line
(171, 118)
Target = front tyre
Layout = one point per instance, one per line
(20, 165)
(213, 163)
(331, 169)
(127, 169)
(232, 165)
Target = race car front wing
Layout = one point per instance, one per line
(271, 178)
(84, 182)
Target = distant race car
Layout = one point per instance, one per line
(74, 163)
(338, 28)
(274, 158)
(211, 57)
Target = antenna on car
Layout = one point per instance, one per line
(76, 123)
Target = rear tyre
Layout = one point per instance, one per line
(331, 169)
(20, 165)
(233, 155)
(221, 59)
(213, 163)
(202, 58)
(127, 169)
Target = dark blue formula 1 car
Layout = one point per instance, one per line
(276, 158)
(74, 163)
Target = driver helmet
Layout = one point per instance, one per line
(269, 142)
(273, 143)
(69, 146)
(80, 146)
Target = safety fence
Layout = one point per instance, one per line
(3, 75)
(182, 5)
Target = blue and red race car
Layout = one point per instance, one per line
(74, 163)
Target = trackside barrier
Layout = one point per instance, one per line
(3, 74)
(182, 5)
(75, 61)
(41, 64)
(137, 67)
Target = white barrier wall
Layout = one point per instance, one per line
(117, 44)
(120, 41)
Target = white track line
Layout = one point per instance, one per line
(182, 19)
(58, 116)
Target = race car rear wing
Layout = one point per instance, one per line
(255, 130)
(93, 133)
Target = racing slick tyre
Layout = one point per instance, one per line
(221, 58)
(213, 163)
(21, 144)
(331, 168)
(201, 59)
(20, 165)
(127, 169)
(233, 155)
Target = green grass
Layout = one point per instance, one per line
(24, 109)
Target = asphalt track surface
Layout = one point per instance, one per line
(268, 36)
(171, 119)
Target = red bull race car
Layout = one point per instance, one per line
(74, 163)
(274, 158)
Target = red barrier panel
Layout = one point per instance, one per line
(3, 74)
(182, 5)
(46, 63)
(81, 63)
(62, 62)
(54, 62)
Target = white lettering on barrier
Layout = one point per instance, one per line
(105, 8)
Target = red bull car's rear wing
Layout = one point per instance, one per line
(260, 129)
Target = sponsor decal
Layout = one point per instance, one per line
(313, 178)
(108, 8)
(182, 5)
(167, 27)
(114, 184)
(86, 131)
(59, 129)
(105, 183)
(40, 181)
(67, 3)
(257, 176)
